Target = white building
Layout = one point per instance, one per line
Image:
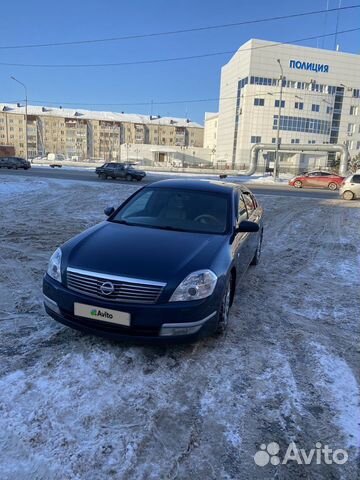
(321, 101)
(210, 131)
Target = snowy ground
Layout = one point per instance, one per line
(79, 407)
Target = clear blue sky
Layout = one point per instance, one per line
(41, 21)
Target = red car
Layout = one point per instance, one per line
(317, 179)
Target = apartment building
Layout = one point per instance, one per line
(84, 134)
(210, 130)
(320, 100)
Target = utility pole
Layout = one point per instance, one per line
(277, 153)
(26, 116)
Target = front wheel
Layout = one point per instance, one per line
(103, 176)
(297, 184)
(348, 195)
(332, 186)
(128, 178)
(224, 310)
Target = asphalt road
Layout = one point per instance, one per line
(89, 175)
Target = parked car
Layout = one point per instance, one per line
(119, 170)
(164, 265)
(350, 187)
(317, 179)
(14, 162)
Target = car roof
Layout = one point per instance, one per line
(200, 185)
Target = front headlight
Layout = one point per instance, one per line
(54, 267)
(197, 285)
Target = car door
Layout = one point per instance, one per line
(120, 171)
(110, 170)
(241, 244)
(355, 185)
(312, 179)
(324, 179)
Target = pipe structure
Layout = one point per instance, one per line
(298, 148)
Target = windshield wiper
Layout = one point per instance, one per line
(122, 222)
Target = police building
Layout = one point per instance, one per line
(320, 103)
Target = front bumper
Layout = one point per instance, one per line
(160, 323)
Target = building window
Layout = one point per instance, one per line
(295, 140)
(259, 102)
(329, 109)
(299, 105)
(353, 110)
(300, 124)
(273, 140)
(351, 128)
(358, 146)
(312, 141)
(277, 103)
(315, 107)
(255, 139)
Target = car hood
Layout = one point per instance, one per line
(140, 252)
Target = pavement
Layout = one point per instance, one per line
(88, 175)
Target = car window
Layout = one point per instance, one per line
(176, 209)
(356, 179)
(242, 211)
(249, 203)
(139, 207)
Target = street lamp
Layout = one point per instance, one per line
(277, 153)
(26, 115)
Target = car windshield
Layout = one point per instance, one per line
(176, 209)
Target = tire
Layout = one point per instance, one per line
(102, 176)
(298, 184)
(348, 195)
(224, 309)
(128, 178)
(332, 186)
(139, 179)
(256, 259)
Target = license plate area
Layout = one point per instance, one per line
(102, 314)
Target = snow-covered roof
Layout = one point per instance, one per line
(96, 115)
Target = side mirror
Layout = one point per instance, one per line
(109, 211)
(247, 226)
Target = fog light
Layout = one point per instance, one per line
(173, 331)
(51, 304)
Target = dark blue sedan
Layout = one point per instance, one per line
(164, 265)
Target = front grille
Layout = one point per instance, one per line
(124, 289)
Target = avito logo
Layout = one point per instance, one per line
(99, 313)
